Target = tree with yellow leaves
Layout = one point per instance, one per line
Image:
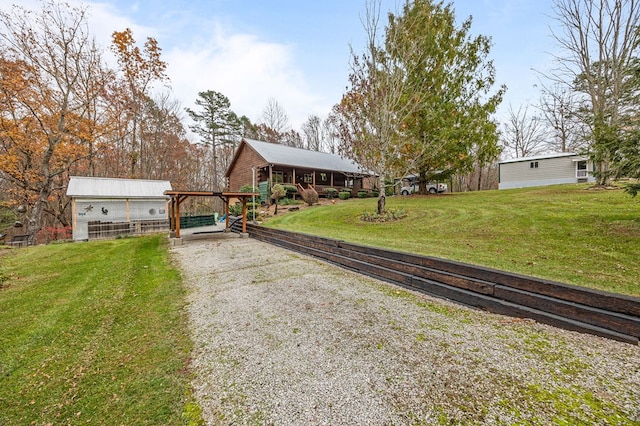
(46, 120)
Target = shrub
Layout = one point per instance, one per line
(332, 193)
(289, 202)
(344, 195)
(290, 190)
(389, 215)
(52, 233)
(310, 196)
(375, 193)
(363, 194)
(236, 209)
(249, 188)
(252, 209)
(277, 192)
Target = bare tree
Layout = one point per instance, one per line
(329, 137)
(524, 135)
(275, 118)
(599, 41)
(559, 110)
(312, 129)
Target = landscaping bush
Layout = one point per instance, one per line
(249, 188)
(389, 215)
(344, 195)
(332, 193)
(291, 190)
(289, 202)
(236, 209)
(363, 194)
(310, 196)
(277, 192)
(252, 208)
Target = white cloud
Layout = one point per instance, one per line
(244, 67)
(247, 70)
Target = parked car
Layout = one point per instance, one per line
(432, 188)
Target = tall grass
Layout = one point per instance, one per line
(92, 333)
(566, 233)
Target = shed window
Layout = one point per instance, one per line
(533, 165)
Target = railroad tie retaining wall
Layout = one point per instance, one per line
(562, 305)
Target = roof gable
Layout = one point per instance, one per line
(81, 186)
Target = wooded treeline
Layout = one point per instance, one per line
(64, 111)
(420, 100)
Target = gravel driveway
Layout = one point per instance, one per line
(285, 339)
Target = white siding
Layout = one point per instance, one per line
(549, 171)
(115, 210)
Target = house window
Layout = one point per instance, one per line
(278, 177)
(533, 165)
(308, 178)
(323, 177)
(581, 170)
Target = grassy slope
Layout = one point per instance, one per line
(566, 233)
(92, 333)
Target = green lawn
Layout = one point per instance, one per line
(93, 333)
(96, 333)
(567, 233)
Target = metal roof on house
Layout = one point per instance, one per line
(98, 187)
(540, 157)
(303, 158)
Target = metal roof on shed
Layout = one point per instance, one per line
(539, 157)
(297, 157)
(80, 186)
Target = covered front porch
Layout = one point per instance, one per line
(320, 180)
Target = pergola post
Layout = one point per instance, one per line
(177, 211)
(244, 215)
(177, 197)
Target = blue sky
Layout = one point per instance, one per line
(297, 51)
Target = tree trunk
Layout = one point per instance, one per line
(382, 200)
(34, 217)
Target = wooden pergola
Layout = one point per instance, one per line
(177, 197)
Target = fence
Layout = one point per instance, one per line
(196, 221)
(103, 230)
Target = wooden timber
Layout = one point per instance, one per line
(565, 306)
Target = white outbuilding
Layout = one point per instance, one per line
(550, 169)
(109, 207)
